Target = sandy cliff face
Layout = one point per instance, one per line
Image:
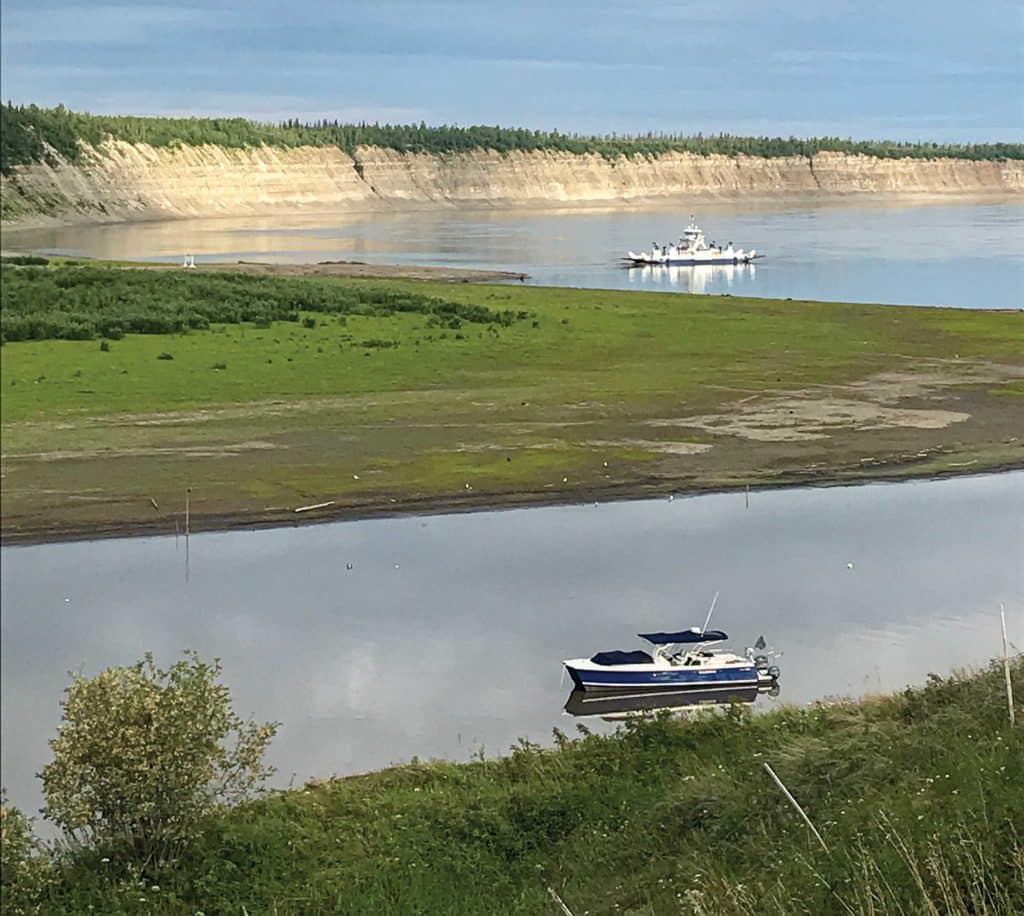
(120, 181)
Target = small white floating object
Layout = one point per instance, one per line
(565, 480)
(67, 601)
(355, 476)
(606, 464)
(396, 566)
(849, 566)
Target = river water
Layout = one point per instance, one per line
(969, 255)
(446, 635)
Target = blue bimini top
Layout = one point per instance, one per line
(664, 639)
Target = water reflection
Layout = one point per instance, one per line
(447, 633)
(693, 279)
(860, 250)
(612, 705)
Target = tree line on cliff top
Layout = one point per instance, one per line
(32, 134)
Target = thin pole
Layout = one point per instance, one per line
(796, 805)
(747, 498)
(559, 901)
(188, 501)
(711, 610)
(1006, 667)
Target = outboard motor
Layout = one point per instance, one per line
(764, 658)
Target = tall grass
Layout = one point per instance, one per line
(920, 797)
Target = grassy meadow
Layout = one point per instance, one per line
(919, 797)
(270, 391)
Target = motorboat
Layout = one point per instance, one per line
(678, 661)
(692, 248)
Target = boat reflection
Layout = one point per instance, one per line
(625, 704)
(694, 279)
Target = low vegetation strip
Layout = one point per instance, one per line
(83, 302)
(919, 797)
(29, 134)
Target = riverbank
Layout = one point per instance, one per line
(540, 396)
(917, 798)
(117, 181)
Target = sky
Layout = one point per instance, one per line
(942, 70)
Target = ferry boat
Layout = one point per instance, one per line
(679, 661)
(691, 249)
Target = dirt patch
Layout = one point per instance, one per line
(360, 269)
(654, 445)
(819, 413)
(198, 451)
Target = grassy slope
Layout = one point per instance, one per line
(436, 411)
(919, 796)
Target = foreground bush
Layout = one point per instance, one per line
(25, 872)
(143, 755)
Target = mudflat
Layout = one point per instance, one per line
(582, 395)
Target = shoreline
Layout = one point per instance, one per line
(364, 510)
(33, 222)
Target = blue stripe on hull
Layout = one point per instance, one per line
(681, 677)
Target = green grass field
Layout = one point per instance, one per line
(919, 798)
(578, 390)
(580, 344)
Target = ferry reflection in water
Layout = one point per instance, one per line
(693, 279)
(625, 704)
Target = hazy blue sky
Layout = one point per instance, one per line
(943, 70)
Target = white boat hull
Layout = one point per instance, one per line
(645, 260)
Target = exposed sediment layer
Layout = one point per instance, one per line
(122, 181)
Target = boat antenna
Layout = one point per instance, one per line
(711, 610)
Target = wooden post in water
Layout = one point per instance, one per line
(188, 501)
(1006, 667)
(746, 499)
(796, 805)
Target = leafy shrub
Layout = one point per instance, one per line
(164, 355)
(220, 366)
(309, 322)
(377, 343)
(143, 754)
(26, 259)
(96, 300)
(105, 346)
(24, 870)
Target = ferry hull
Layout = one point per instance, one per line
(688, 262)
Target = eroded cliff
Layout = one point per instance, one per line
(120, 181)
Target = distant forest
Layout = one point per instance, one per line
(27, 132)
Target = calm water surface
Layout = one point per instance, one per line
(935, 254)
(446, 636)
